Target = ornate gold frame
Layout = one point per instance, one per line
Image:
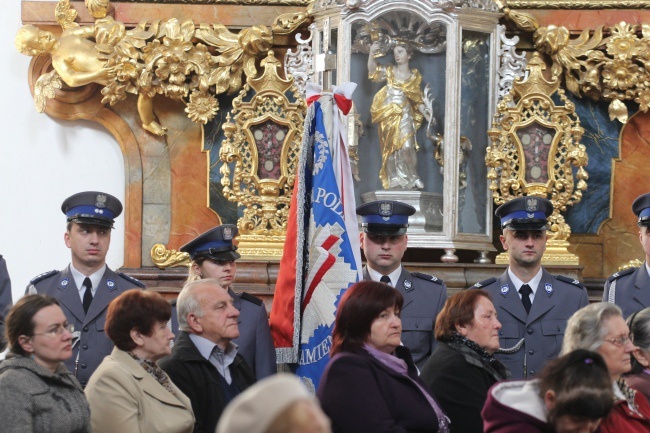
(506, 161)
(263, 225)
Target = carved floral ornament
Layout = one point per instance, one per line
(614, 68)
(535, 146)
(171, 58)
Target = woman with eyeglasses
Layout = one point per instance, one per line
(37, 393)
(600, 327)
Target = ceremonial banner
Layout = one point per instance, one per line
(321, 258)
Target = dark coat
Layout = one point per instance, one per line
(424, 297)
(461, 388)
(200, 381)
(556, 299)
(254, 341)
(93, 344)
(629, 289)
(5, 299)
(361, 395)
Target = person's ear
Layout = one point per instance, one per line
(504, 243)
(642, 357)
(550, 399)
(462, 330)
(26, 343)
(194, 323)
(136, 336)
(361, 239)
(197, 269)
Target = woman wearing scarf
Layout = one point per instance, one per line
(600, 327)
(462, 369)
(371, 383)
(129, 392)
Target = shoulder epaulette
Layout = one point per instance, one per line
(571, 281)
(133, 280)
(484, 283)
(428, 278)
(43, 276)
(250, 298)
(621, 273)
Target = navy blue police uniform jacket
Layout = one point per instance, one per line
(424, 297)
(542, 330)
(93, 344)
(629, 289)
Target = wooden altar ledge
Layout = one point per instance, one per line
(259, 277)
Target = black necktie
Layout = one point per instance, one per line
(525, 291)
(88, 294)
(385, 279)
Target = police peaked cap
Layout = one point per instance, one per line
(641, 208)
(525, 213)
(92, 207)
(385, 217)
(215, 244)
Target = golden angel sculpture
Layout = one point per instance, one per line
(398, 109)
(170, 58)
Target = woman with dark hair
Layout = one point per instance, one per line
(129, 392)
(639, 376)
(462, 369)
(571, 394)
(371, 383)
(38, 393)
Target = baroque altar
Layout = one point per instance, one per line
(174, 171)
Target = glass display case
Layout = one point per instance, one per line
(427, 87)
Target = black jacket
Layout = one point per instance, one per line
(200, 381)
(460, 387)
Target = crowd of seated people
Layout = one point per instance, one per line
(369, 385)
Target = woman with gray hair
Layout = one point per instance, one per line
(600, 327)
(639, 376)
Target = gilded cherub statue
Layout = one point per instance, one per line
(77, 61)
(170, 58)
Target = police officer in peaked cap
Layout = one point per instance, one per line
(630, 288)
(383, 239)
(214, 255)
(533, 306)
(87, 285)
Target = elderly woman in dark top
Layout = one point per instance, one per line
(462, 369)
(371, 383)
(129, 392)
(38, 394)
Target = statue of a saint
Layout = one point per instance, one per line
(398, 109)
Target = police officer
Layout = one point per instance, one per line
(87, 285)
(533, 306)
(383, 240)
(213, 255)
(630, 288)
